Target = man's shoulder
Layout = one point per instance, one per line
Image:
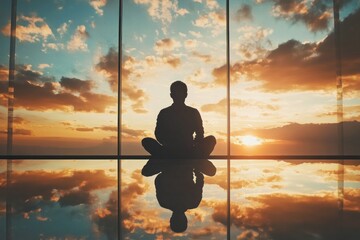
(171, 109)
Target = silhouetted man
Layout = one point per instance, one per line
(174, 131)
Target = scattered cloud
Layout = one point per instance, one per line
(78, 40)
(35, 91)
(196, 34)
(44, 65)
(166, 45)
(98, 5)
(33, 190)
(243, 13)
(76, 85)
(214, 20)
(30, 29)
(253, 42)
(52, 46)
(316, 15)
(220, 107)
(206, 58)
(108, 65)
(163, 11)
(294, 65)
(262, 217)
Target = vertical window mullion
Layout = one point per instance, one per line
(228, 115)
(119, 122)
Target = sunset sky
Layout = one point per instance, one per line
(283, 73)
(283, 102)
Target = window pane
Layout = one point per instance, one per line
(350, 60)
(351, 198)
(289, 200)
(144, 218)
(175, 40)
(283, 78)
(5, 12)
(79, 196)
(65, 89)
(3, 183)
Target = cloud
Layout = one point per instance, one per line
(212, 4)
(106, 219)
(163, 11)
(166, 45)
(220, 107)
(221, 180)
(108, 65)
(243, 13)
(98, 5)
(32, 190)
(76, 85)
(294, 65)
(190, 43)
(34, 91)
(74, 198)
(63, 28)
(282, 216)
(206, 58)
(214, 20)
(196, 34)
(304, 139)
(52, 46)
(19, 131)
(44, 65)
(30, 29)
(220, 73)
(84, 129)
(316, 14)
(132, 134)
(78, 40)
(253, 42)
(4, 73)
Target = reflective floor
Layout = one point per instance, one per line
(77, 199)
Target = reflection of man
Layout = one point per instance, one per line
(174, 131)
(177, 191)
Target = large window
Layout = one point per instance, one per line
(276, 82)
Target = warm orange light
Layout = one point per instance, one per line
(250, 140)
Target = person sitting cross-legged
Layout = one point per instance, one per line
(174, 142)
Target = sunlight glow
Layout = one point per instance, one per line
(249, 140)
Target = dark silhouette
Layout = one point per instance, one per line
(175, 143)
(177, 191)
(178, 156)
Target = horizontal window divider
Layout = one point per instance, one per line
(212, 157)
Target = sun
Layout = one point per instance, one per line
(249, 140)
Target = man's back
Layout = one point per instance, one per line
(176, 125)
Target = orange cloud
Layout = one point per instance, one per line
(316, 15)
(306, 66)
(34, 30)
(300, 139)
(220, 107)
(78, 40)
(98, 5)
(35, 91)
(282, 216)
(31, 190)
(166, 45)
(221, 180)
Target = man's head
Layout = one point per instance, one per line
(178, 91)
(178, 222)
